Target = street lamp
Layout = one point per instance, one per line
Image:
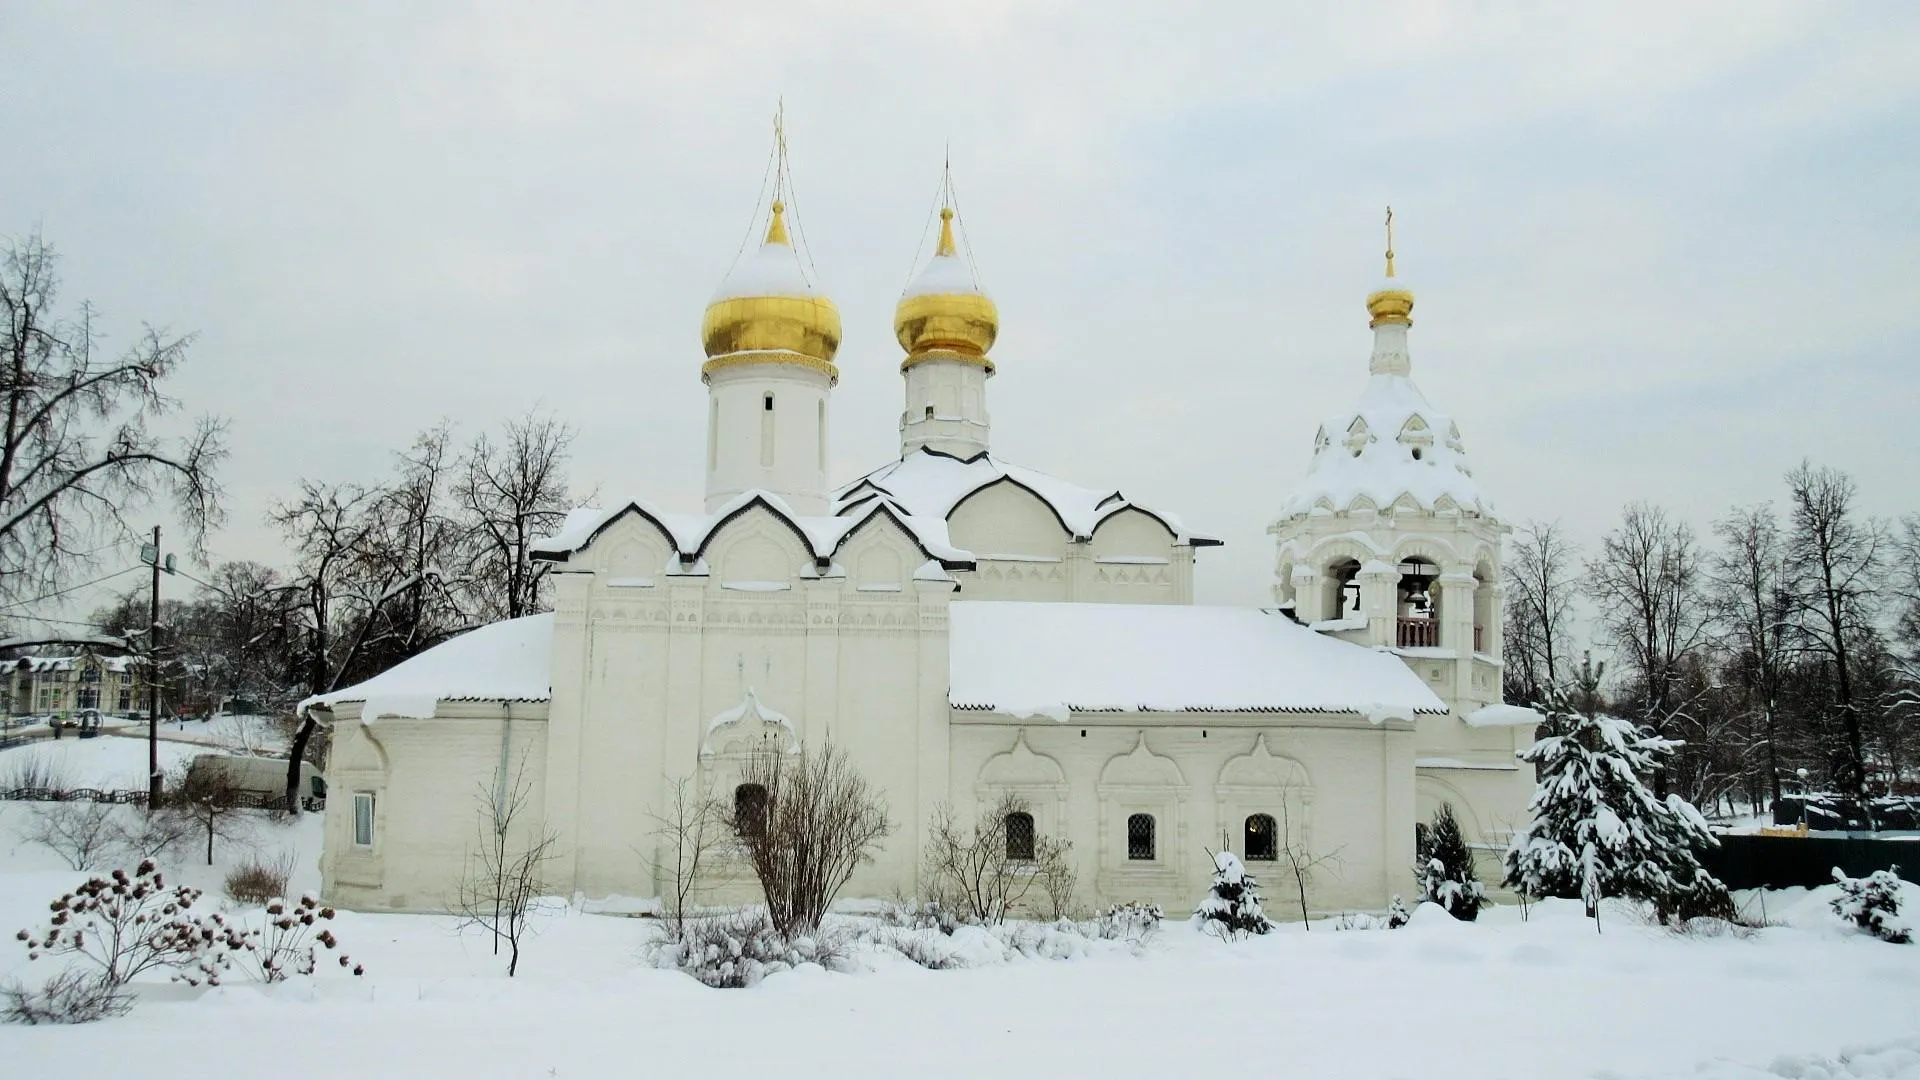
(1802, 775)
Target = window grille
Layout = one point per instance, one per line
(1019, 826)
(750, 809)
(1262, 838)
(1140, 837)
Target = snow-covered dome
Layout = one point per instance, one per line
(768, 305)
(1394, 445)
(944, 310)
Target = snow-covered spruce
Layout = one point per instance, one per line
(1397, 913)
(1231, 908)
(1872, 903)
(1443, 867)
(1597, 831)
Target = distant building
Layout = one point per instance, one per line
(64, 685)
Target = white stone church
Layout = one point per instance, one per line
(964, 627)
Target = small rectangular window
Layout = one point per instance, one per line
(363, 819)
(767, 402)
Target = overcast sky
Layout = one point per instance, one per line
(1660, 250)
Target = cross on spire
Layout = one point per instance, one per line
(1389, 241)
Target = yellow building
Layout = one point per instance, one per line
(63, 685)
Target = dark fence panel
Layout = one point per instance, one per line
(1777, 862)
(242, 800)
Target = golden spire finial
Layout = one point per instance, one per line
(1389, 241)
(777, 226)
(946, 232)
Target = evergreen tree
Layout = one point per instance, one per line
(1443, 867)
(1231, 909)
(1597, 831)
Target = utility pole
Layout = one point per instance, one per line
(151, 555)
(153, 681)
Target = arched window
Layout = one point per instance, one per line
(1140, 837)
(1262, 840)
(750, 809)
(1019, 826)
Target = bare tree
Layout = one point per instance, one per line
(208, 798)
(76, 453)
(1753, 605)
(1541, 588)
(81, 833)
(687, 836)
(372, 578)
(983, 872)
(1833, 555)
(511, 493)
(506, 868)
(1647, 583)
(819, 821)
(1300, 860)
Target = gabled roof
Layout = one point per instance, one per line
(691, 533)
(1025, 658)
(503, 661)
(929, 484)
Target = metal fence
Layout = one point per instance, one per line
(241, 800)
(1778, 862)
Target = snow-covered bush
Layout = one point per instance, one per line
(74, 996)
(1397, 913)
(286, 942)
(1358, 920)
(1872, 903)
(731, 951)
(931, 951)
(1231, 908)
(1134, 921)
(123, 924)
(1443, 867)
(1597, 831)
(910, 914)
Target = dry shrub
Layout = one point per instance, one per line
(256, 882)
(73, 996)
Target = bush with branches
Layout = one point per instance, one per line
(123, 924)
(819, 821)
(740, 949)
(256, 882)
(982, 873)
(288, 940)
(83, 834)
(73, 996)
(505, 871)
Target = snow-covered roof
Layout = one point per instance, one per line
(1370, 453)
(1503, 715)
(929, 484)
(690, 533)
(1028, 659)
(503, 661)
(67, 663)
(772, 269)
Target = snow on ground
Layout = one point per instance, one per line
(1544, 998)
(110, 761)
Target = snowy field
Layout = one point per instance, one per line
(113, 762)
(1437, 1000)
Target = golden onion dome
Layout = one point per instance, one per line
(768, 312)
(944, 312)
(1390, 303)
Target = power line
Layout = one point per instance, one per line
(75, 588)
